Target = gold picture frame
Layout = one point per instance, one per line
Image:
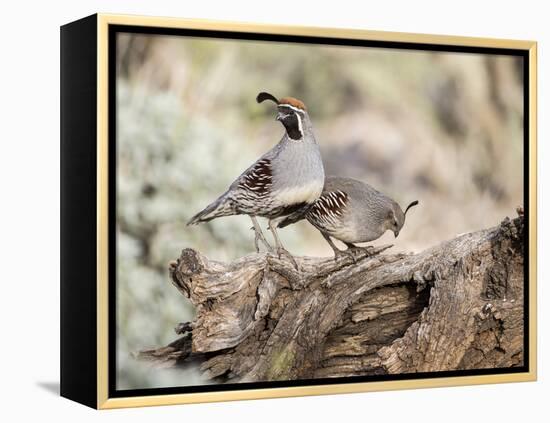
(100, 23)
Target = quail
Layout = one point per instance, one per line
(286, 179)
(352, 212)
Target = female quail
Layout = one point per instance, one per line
(352, 211)
(286, 179)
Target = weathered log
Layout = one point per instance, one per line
(458, 305)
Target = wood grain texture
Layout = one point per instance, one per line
(458, 305)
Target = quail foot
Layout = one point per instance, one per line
(352, 211)
(285, 180)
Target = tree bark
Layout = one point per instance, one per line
(458, 305)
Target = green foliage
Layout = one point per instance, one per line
(282, 364)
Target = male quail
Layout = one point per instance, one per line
(286, 179)
(351, 211)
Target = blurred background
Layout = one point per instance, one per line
(443, 128)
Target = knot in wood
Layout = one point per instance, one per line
(190, 263)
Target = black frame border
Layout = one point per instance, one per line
(78, 211)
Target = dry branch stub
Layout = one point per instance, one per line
(458, 305)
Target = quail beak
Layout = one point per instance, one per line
(395, 234)
(280, 116)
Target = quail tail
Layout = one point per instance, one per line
(294, 217)
(223, 206)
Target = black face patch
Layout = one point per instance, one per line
(292, 126)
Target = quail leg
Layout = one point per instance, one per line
(259, 235)
(352, 248)
(280, 249)
(337, 251)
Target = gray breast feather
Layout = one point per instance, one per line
(298, 172)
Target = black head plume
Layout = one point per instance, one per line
(414, 203)
(266, 96)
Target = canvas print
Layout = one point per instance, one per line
(309, 213)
